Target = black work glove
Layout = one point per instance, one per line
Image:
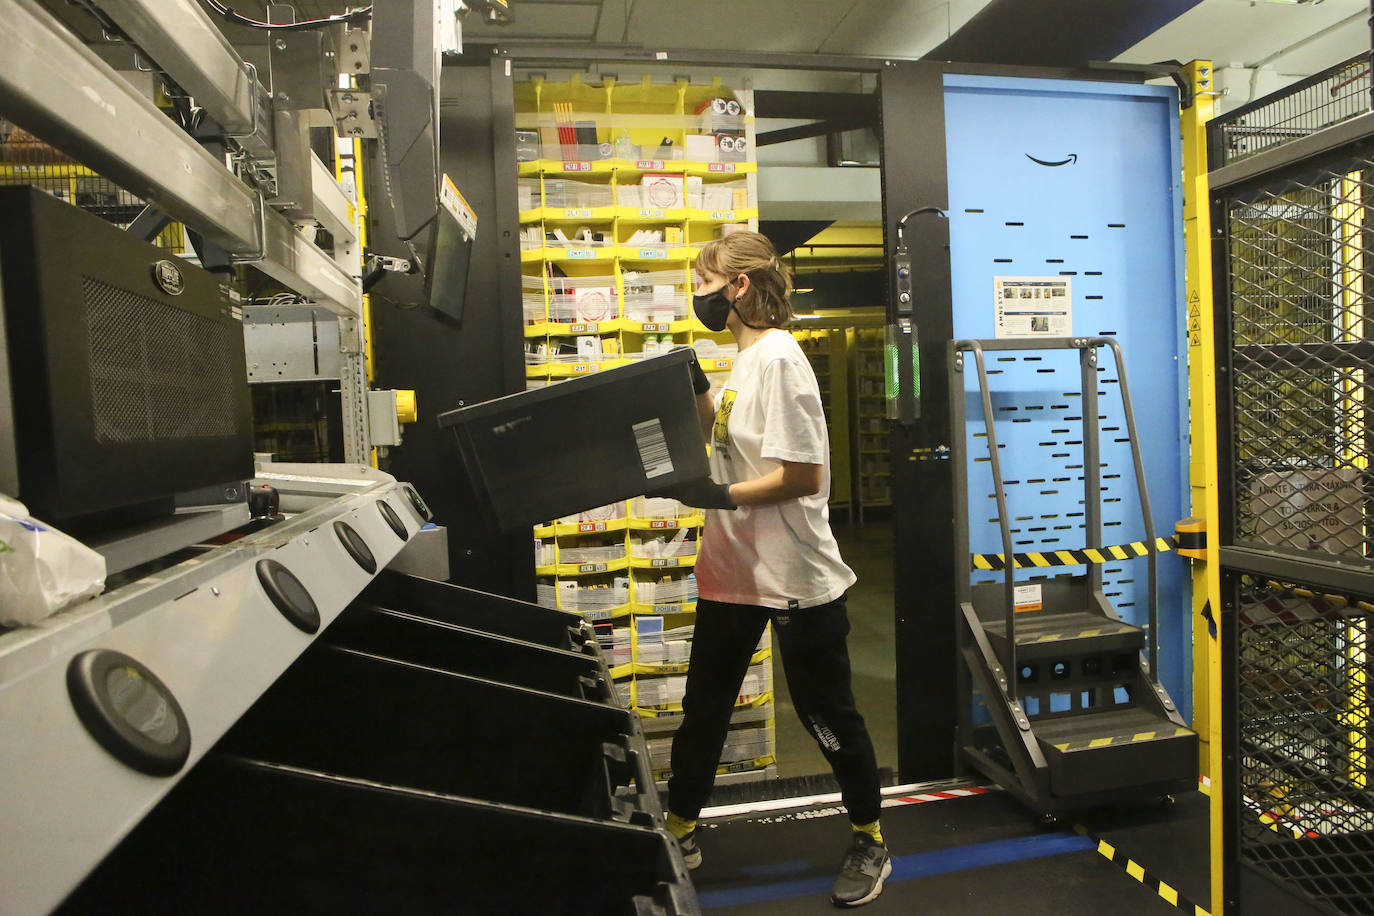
(700, 383)
(700, 494)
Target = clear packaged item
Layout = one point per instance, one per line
(42, 570)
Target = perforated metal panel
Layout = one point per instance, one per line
(1304, 722)
(1320, 101)
(1300, 353)
(157, 373)
(1109, 218)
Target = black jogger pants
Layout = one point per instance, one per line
(815, 658)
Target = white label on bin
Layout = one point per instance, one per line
(653, 448)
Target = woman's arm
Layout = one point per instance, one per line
(789, 481)
(706, 413)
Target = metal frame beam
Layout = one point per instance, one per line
(59, 89)
(818, 129)
(181, 38)
(1302, 149)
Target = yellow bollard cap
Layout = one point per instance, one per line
(406, 410)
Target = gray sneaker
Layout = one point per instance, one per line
(691, 853)
(865, 867)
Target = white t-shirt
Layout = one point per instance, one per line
(782, 555)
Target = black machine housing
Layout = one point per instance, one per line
(122, 363)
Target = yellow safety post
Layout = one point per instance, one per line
(1349, 217)
(1197, 226)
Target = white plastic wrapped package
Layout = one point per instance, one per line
(42, 570)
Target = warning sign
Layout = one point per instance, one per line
(1028, 598)
(1310, 510)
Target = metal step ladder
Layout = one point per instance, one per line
(1082, 719)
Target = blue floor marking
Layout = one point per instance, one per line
(905, 868)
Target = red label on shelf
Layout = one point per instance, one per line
(591, 526)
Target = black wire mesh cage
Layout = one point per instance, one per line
(1304, 715)
(27, 160)
(1320, 101)
(1301, 356)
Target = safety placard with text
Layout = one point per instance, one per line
(1033, 306)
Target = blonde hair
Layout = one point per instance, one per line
(767, 303)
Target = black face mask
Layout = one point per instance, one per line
(713, 309)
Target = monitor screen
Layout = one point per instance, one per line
(450, 252)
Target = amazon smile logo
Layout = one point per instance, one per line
(1073, 157)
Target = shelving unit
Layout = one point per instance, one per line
(26, 160)
(617, 195)
(872, 464)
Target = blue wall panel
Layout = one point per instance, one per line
(1112, 221)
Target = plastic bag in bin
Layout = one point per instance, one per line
(42, 570)
(592, 440)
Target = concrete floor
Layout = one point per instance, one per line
(867, 548)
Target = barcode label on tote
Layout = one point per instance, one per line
(653, 448)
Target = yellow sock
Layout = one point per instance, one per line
(679, 828)
(872, 830)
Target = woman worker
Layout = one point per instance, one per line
(767, 554)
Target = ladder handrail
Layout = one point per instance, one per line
(1147, 517)
(1009, 583)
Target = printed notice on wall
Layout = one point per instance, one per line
(1033, 306)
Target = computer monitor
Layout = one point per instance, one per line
(450, 252)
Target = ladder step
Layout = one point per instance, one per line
(1098, 752)
(1040, 634)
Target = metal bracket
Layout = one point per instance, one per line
(354, 51)
(352, 110)
(253, 124)
(386, 262)
(261, 253)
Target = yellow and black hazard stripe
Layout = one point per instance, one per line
(1166, 891)
(1108, 740)
(1079, 557)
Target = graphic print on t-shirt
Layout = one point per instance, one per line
(720, 431)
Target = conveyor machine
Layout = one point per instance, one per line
(279, 722)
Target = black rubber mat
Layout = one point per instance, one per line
(978, 854)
